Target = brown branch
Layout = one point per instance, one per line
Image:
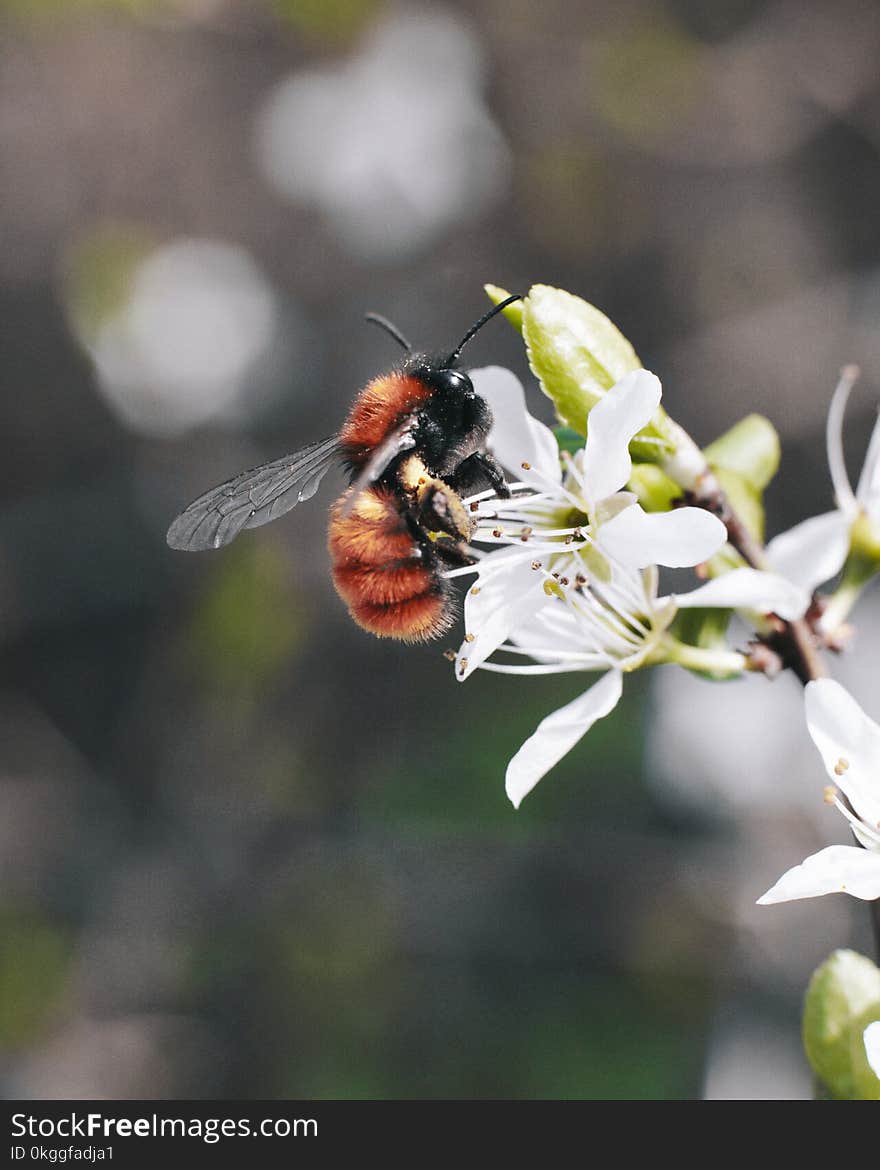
(794, 642)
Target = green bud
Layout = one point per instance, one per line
(751, 449)
(842, 998)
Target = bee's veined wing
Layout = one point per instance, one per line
(252, 498)
(398, 442)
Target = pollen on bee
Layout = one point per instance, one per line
(841, 766)
(469, 637)
(829, 794)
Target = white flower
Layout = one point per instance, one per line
(872, 1046)
(814, 551)
(571, 524)
(849, 743)
(573, 585)
(595, 479)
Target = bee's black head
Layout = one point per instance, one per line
(444, 379)
(439, 371)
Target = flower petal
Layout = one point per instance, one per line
(872, 1046)
(849, 743)
(508, 591)
(516, 437)
(839, 869)
(558, 734)
(812, 552)
(611, 424)
(868, 491)
(749, 589)
(843, 492)
(677, 539)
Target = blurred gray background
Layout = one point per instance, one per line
(246, 850)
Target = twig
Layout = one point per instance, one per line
(795, 642)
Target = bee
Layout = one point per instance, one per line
(413, 444)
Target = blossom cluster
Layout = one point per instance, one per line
(568, 571)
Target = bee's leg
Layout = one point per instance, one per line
(440, 510)
(454, 553)
(477, 472)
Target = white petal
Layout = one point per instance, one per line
(839, 869)
(872, 1047)
(678, 539)
(516, 437)
(552, 628)
(558, 734)
(749, 589)
(868, 491)
(612, 423)
(812, 552)
(843, 732)
(509, 591)
(843, 492)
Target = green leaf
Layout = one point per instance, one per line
(514, 312)
(750, 449)
(568, 440)
(842, 998)
(574, 350)
(656, 492)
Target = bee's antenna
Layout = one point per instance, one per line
(454, 356)
(384, 323)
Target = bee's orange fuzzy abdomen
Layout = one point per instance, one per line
(378, 410)
(381, 573)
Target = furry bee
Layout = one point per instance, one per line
(413, 443)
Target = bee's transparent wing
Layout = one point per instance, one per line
(398, 442)
(252, 498)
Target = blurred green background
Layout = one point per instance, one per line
(246, 850)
